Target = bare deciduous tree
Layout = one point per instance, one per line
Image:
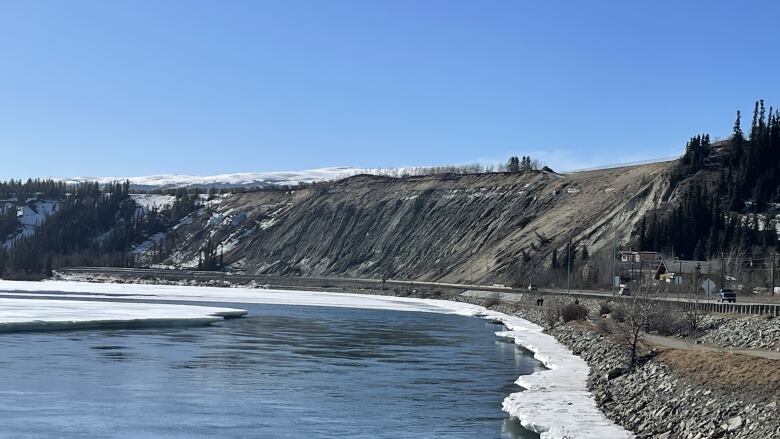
(635, 317)
(692, 310)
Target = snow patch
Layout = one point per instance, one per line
(148, 201)
(31, 215)
(247, 179)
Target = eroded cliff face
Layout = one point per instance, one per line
(442, 227)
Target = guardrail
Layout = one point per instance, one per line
(362, 283)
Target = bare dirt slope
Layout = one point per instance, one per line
(439, 227)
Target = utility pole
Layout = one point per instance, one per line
(722, 271)
(774, 256)
(568, 268)
(614, 258)
(678, 286)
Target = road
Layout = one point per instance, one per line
(761, 307)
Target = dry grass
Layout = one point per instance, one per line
(733, 372)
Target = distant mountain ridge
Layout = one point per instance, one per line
(244, 179)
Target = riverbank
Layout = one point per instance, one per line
(673, 393)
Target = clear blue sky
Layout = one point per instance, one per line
(125, 88)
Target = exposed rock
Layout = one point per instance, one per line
(446, 227)
(742, 333)
(614, 373)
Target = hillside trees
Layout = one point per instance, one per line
(92, 225)
(738, 209)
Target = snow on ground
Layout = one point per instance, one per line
(148, 201)
(149, 243)
(47, 314)
(555, 402)
(31, 215)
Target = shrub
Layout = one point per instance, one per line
(552, 314)
(574, 311)
(666, 320)
(619, 313)
(492, 300)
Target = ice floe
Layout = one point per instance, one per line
(17, 314)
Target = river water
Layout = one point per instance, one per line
(281, 372)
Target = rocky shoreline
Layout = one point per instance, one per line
(652, 399)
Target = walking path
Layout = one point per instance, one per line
(676, 343)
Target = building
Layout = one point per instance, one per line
(702, 267)
(632, 256)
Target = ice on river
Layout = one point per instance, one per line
(18, 314)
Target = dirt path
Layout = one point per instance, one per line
(676, 343)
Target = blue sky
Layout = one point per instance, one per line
(126, 88)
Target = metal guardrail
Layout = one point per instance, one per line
(330, 282)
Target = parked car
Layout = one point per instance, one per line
(624, 291)
(727, 295)
(533, 288)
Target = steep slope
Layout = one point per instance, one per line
(445, 227)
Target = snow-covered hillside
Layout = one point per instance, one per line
(249, 179)
(30, 214)
(149, 201)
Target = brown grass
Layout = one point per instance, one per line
(733, 372)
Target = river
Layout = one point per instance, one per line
(282, 372)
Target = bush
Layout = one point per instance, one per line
(664, 319)
(604, 309)
(552, 313)
(491, 300)
(619, 313)
(574, 311)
